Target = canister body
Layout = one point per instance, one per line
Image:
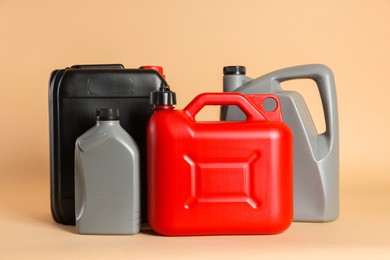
(209, 178)
(107, 181)
(316, 155)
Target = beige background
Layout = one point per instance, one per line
(193, 40)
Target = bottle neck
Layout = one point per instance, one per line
(162, 107)
(108, 122)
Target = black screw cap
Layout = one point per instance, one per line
(107, 114)
(162, 97)
(234, 70)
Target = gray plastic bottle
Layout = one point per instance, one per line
(316, 156)
(107, 181)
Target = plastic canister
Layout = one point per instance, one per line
(107, 178)
(208, 178)
(74, 95)
(316, 156)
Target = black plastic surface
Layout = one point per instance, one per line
(74, 95)
(234, 70)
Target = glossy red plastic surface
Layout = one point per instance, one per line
(208, 178)
(157, 68)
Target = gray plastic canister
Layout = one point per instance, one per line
(316, 156)
(107, 178)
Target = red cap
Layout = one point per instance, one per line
(157, 68)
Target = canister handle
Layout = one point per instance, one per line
(324, 79)
(252, 110)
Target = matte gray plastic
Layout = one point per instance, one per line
(316, 156)
(107, 181)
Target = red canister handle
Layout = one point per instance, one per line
(252, 111)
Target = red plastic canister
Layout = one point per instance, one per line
(208, 178)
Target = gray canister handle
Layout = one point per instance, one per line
(324, 79)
